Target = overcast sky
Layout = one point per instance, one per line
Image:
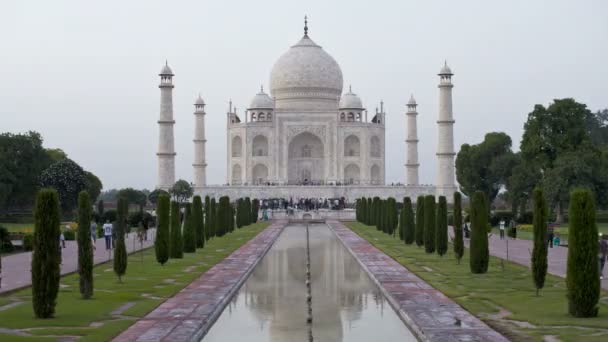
(84, 73)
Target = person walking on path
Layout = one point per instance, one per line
(602, 253)
(501, 227)
(94, 232)
(107, 234)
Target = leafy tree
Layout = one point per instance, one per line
(94, 185)
(198, 221)
(120, 250)
(189, 231)
(100, 210)
(134, 196)
(161, 244)
(181, 191)
(597, 125)
(153, 196)
(485, 166)
(539, 253)
(409, 228)
(441, 228)
(429, 224)
(480, 254)
(46, 255)
(458, 234)
(255, 208)
(582, 277)
(85, 247)
(176, 249)
(56, 154)
(68, 178)
(524, 177)
(419, 233)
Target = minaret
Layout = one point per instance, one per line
(166, 148)
(446, 185)
(200, 166)
(411, 166)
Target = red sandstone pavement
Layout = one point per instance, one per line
(520, 251)
(16, 268)
(429, 313)
(188, 315)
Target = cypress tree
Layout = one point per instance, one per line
(402, 222)
(46, 254)
(382, 216)
(255, 208)
(240, 208)
(189, 231)
(374, 212)
(429, 224)
(368, 211)
(392, 219)
(208, 220)
(539, 253)
(458, 234)
(85, 247)
(161, 244)
(120, 251)
(212, 218)
(358, 210)
(441, 232)
(408, 219)
(198, 222)
(176, 249)
(419, 233)
(582, 277)
(222, 216)
(247, 209)
(364, 210)
(479, 234)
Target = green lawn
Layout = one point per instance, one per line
(524, 316)
(145, 285)
(19, 227)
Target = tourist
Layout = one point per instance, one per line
(556, 239)
(94, 233)
(62, 239)
(602, 253)
(107, 234)
(501, 227)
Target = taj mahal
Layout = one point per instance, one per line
(308, 137)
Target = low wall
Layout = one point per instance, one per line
(350, 192)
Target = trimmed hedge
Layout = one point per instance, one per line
(441, 231)
(480, 254)
(539, 252)
(458, 233)
(85, 247)
(161, 243)
(176, 249)
(419, 233)
(429, 224)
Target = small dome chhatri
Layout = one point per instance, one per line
(412, 101)
(446, 69)
(350, 100)
(261, 101)
(199, 101)
(166, 71)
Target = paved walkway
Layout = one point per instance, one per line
(189, 314)
(430, 314)
(16, 268)
(520, 251)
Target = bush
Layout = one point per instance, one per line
(47, 255)
(85, 248)
(582, 278)
(441, 231)
(28, 242)
(480, 254)
(419, 233)
(198, 221)
(429, 224)
(458, 233)
(539, 252)
(69, 235)
(5, 243)
(189, 232)
(176, 251)
(161, 243)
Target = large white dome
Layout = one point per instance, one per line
(306, 72)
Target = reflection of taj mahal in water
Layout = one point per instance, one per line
(307, 132)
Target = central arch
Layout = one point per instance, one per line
(352, 174)
(305, 163)
(260, 174)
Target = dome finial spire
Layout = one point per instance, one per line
(261, 88)
(350, 88)
(306, 25)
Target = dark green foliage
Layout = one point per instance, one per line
(47, 255)
(68, 178)
(381, 225)
(208, 221)
(255, 208)
(419, 232)
(161, 244)
(358, 210)
(189, 232)
(582, 278)
(240, 208)
(539, 253)
(176, 249)
(458, 233)
(100, 210)
(223, 216)
(247, 209)
(181, 191)
(94, 185)
(375, 219)
(429, 224)
(369, 214)
(402, 222)
(441, 231)
(479, 234)
(393, 219)
(133, 196)
(153, 196)
(28, 242)
(198, 222)
(409, 228)
(120, 250)
(85, 247)
(212, 217)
